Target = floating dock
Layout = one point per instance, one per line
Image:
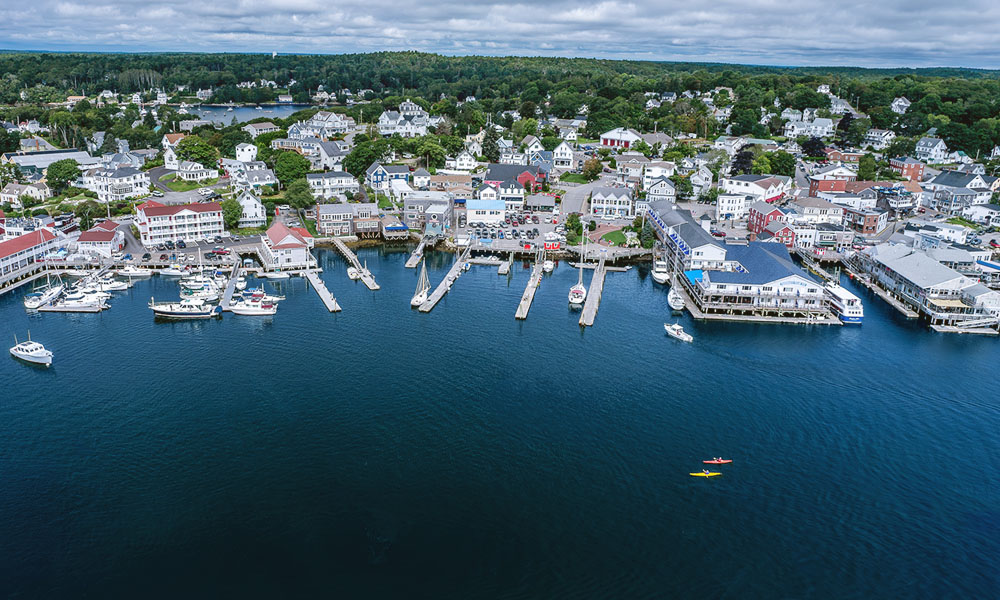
(529, 292)
(593, 295)
(366, 275)
(445, 285)
(321, 290)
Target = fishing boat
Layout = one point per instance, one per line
(253, 308)
(133, 271)
(661, 271)
(188, 308)
(353, 274)
(423, 286)
(43, 295)
(677, 332)
(844, 304)
(32, 352)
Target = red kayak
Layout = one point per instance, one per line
(718, 462)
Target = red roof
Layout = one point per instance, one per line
(279, 232)
(97, 235)
(106, 225)
(160, 210)
(26, 241)
(173, 138)
(302, 231)
(148, 204)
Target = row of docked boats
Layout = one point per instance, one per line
(88, 295)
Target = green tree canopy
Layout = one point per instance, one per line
(289, 166)
(298, 194)
(232, 210)
(61, 173)
(196, 149)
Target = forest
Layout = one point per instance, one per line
(961, 103)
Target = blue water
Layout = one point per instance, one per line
(385, 453)
(221, 114)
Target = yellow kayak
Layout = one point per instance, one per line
(712, 474)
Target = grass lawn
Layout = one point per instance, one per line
(573, 178)
(383, 201)
(615, 237)
(179, 185)
(311, 226)
(583, 140)
(961, 221)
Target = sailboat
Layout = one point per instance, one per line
(423, 286)
(43, 295)
(674, 298)
(578, 293)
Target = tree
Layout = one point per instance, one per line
(9, 173)
(289, 166)
(901, 146)
(866, 168)
(742, 162)
(232, 210)
(195, 149)
(761, 166)
(363, 155)
(856, 132)
(61, 173)
(592, 169)
(298, 195)
(683, 186)
(9, 142)
(782, 163)
(647, 236)
(491, 150)
(813, 147)
(86, 211)
(433, 153)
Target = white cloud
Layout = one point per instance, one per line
(789, 32)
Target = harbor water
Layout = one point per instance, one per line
(381, 452)
(224, 116)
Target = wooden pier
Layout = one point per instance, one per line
(322, 291)
(529, 292)
(366, 275)
(504, 268)
(445, 285)
(593, 295)
(418, 253)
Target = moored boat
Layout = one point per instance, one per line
(548, 266)
(43, 295)
(844, 304)
(133, 271)
(353, 274)
(423, 286)
(188, 308)
(254, 308)
(661, 271)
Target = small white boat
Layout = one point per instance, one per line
(175, 271)
(241, 283)
(207, 295)
(353, 274)
(258, 108)
(133, 271)
(577, 294)
(677, 332)
(674, 298)
(661, 271)
(188, 308)
(254, 308)
(43, 295)
(275, 275)
(32, 352)
(548, 266)
(110, 284)
(78, 301)
(423, 286)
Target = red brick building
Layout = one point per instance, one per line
(909, 168)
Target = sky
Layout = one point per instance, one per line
(867, 33)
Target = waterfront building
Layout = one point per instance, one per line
(254, 214)
(284, 247)
(158, 223)
(24, 250)
(332, 184)
(612, 202)
(104, 239)
(119, 184)
(485, 211)
(417, 205)
(337, 219)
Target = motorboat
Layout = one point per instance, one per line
(133, 271)
(844, 304)
(241, 283)
(423, 286)
(43, 295)
(32, 352)
(257, 294)
(353, 274)
(548, 266)
(275, 275)
(258, 107)
(78, 301)
(175, 270)
(254, 308)
(199, 282)
(110, 284)
(675, 331)
(207, 295)
(188, 308)
(661, 271)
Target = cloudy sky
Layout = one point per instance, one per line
(778, 32)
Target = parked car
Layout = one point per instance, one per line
(205, 191)
(146, 256)
(994, 244)
(163, 257)
(127, 257)
(718, 234)
(181, 244)
(157, 194)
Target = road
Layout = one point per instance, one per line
(576, 196)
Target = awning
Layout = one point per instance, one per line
(948, 303)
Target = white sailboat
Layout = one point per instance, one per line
(43, 295)
(674, 298)
(423, 286)
(32, 352)
(578, 293)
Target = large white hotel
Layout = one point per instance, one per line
(159, 223)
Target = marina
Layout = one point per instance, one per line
(534, 281)
(445, 286)
(594, 292)
(362, 271)
(322, 291)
